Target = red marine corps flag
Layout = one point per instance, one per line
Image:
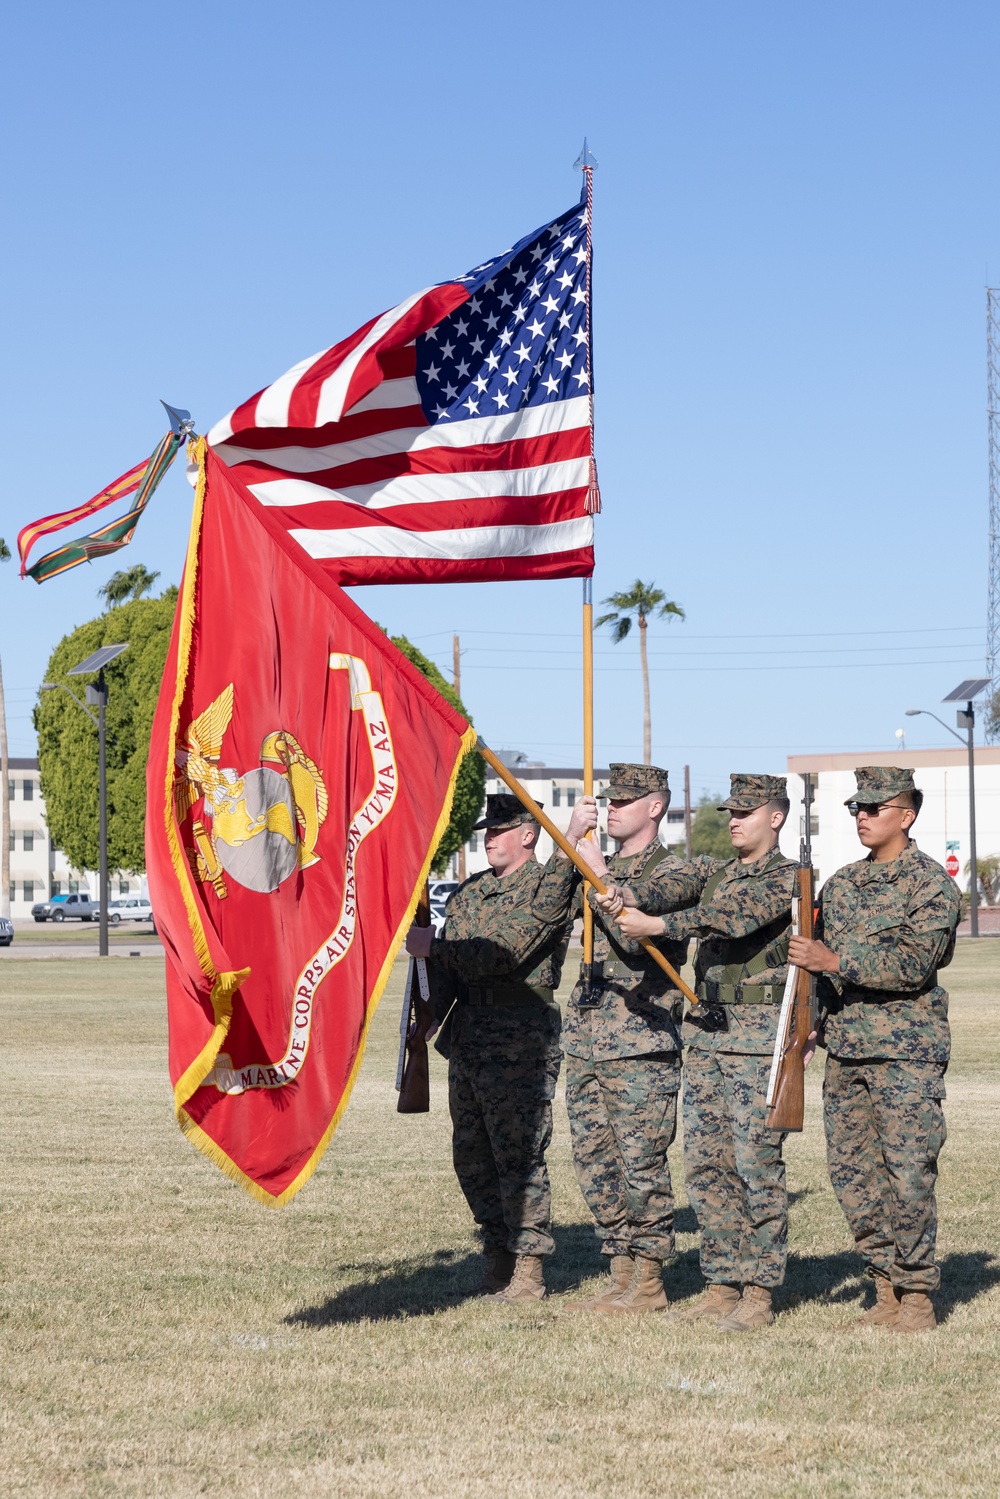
(300, 775)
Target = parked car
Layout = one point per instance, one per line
(66, 908)
(439, 891)
(129, 908)
(6, 931)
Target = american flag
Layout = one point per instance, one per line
(448, 440)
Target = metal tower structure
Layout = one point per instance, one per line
(993, 428)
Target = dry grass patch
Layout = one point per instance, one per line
(162, 1334)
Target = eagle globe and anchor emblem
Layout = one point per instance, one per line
(257, 826)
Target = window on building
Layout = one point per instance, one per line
(11, 840)
(571, 796)
(74, 887)
(29, 842)
(123, 887)
(28, 787)
(57, 887)
(10, 791)
(29, 889)
(556, 796)
(473, 843)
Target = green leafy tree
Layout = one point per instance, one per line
(470, 786)
(4, 772)
(131, 584)
(67, 740)
(710, 829)
(645, 601)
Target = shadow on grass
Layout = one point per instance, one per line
(420, 1287)
(840, 1278)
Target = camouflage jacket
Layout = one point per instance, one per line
(742, 921)
(491, 933)
(893, 926)
(639, 1011)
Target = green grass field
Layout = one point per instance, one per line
(163, 1334)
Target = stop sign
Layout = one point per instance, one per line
(951, 864)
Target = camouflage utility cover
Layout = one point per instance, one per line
(626, 783)
(892, 925)
(639, 1011)
(880, 783)
(503, 810)
(747, 792)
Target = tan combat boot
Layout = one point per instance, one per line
(526, 1284)
(886, 1308)
(753, 1311)
(621, 1275)
(717, 1302)
(916, 1313)
(645, 1291)
(498, 1271)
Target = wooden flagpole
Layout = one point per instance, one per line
(542, 817)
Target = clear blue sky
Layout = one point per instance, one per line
(797, 212)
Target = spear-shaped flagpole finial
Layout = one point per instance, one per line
(181, 422)
(586, 161)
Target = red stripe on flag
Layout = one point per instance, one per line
(450, 515)
(354, 427)
(430, 309)
(305, 396)
(356, 572)
(521, 453)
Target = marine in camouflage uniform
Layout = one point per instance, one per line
(886, 926)
(733, 1166)
(621, 1040)
(498, 963)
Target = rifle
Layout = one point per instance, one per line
(413, 1082)
(787, 1081)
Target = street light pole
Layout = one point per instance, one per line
(966, 719)
(97, 697)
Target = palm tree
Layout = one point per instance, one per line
(128, 585)
(645, 601)
(4, 784)
(989, 870)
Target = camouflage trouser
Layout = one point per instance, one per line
(884, 1131)
(623, 1118)
(501, 1081)
(733, 1170)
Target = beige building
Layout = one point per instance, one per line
(38, 869)
(942, 828)
(556, 789)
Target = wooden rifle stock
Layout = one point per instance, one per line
(415, 1086)
(787, 1111)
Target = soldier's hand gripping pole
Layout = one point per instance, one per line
(786, 1085)
(413, 1079)
(540, 816)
